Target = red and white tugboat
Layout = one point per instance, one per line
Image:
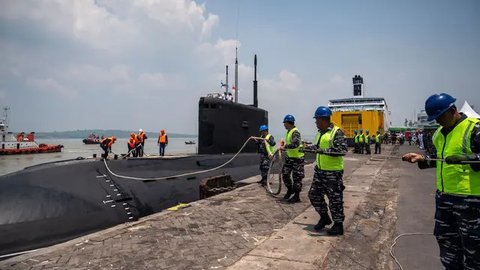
(14, 144)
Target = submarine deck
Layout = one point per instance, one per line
(247, 229)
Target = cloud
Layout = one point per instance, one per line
(53, 87)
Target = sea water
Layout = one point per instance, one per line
(74, 148)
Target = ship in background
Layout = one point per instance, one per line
(53, 202)
(359, 112)
(21, 143)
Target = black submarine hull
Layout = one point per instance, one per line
(55, 202)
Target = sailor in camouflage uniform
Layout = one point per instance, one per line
(294, 161)
(457, 201)
(330, 146)
(266, 150)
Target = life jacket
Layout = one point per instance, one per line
(162, 138)
(325, 141)
(456, 178)
(132, 141)
(141, 137)
(293, 153)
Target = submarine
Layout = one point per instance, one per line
(50, 203)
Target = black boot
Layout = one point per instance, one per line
(324, 221)
(288, 194)
(263, 181)
(337, 229)
(295, 198)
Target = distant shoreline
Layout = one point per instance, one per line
(81, 134)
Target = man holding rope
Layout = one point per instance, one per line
(330, 146)
(457, 200)
(266, 149)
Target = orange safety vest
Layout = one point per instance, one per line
(132, 142)
(162, 138)
(141, 137)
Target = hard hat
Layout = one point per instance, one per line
(361, 130)
(322, 111)
(289, 118)
(366, 131)
(378, 131)
(263, 128)
(140, 130)
(437, 104)
(355, 131)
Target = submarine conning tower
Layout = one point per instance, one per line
(224, 125)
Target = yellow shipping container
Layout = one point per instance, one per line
(356, 120)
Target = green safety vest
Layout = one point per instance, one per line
(270, 149)
(377, 139)
(356, 138)
(456, 178)
(360, 138)
(367, 139)
(293, 153)
(326, 162)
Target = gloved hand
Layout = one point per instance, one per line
(456, 159)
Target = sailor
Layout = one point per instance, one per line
(367, 141)
(355, 141)
(457, 200)
(294, 161)
(141, 137)
(330, 147)
(266, 150)
(361, 141)
(132, 145)
(162, 142)
(378, 142)
(106, 145)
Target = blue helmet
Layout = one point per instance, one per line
(322, 111)
(361, 130)
(289, 118)
(437, 104)
(263, 128)
(355, 131)
(366, 131)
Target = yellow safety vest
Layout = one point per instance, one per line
(355, 138)
(326, 162)
(456, 178)
(270, 149)
(360, 138)
(293, 153)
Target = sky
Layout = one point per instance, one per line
(118, 64)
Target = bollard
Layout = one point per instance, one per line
(94, 155)
(115, 156)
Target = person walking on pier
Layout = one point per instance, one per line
(162, 142)
(294, 162)
(106, 145)
(330, 147)
(457, 200)
(266, 150)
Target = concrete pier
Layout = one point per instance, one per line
(248, 229)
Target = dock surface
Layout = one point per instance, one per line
(248, 229)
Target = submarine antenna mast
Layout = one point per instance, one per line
(236, 76)
(5, 115)
(226, 80)
(255, 83)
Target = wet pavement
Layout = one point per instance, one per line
(248, 229)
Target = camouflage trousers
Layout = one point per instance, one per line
(294, 166)
(330, 184)
(264, 166)
(457, 229)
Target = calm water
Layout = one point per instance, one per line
(74, 148)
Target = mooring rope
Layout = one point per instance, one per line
(183, 174)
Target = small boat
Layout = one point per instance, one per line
(189, 142)
(11, 144)
(92, 139)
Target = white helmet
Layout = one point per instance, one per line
(140, 130)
